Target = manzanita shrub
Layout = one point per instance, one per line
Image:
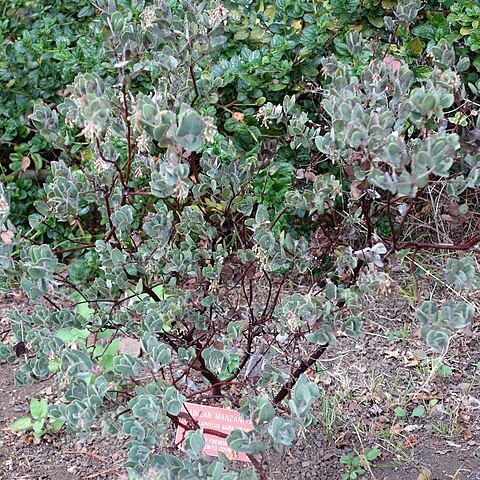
(189, 290)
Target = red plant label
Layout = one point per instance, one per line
(221, 420)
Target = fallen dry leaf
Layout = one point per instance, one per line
(381, 423)
(466, 433)
(375, 397)
(25, 163)
(427, 396)
(49, 391)
(27, 438)
(410, 361)
(424, 474)
(391, 62)
(453, 444)
(394, 353)
(423, 211)
(397, 429)
(352, 406)
(311, 373)
(412, 428)
(7, 237)
(411, 442)
(238, 116)
(455, 217)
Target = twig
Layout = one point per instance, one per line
(302, 368)
(195, 88)
(102, 473)
(74, 249)
(51, 302)
(279, 216)
(129, 145)
(88, 454)
(469, 244)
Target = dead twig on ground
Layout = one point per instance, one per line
(102, 473)
(88, 454)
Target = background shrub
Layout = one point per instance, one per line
(43, 46)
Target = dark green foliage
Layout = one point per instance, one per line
(43, 46)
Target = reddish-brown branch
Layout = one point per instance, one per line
(305, 364)
(51, 302)
(195, 88)
(111, 233)
(407, 213)
(275, 300)
(74, 249)
(129, 146)
(210, 388)
(84, 452)
(368, 221)
(115, 164)
(469, 244)
(193, 363)
(278, 217)
(390, 220)
(192, 160)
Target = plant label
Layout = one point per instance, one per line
(221, 420)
